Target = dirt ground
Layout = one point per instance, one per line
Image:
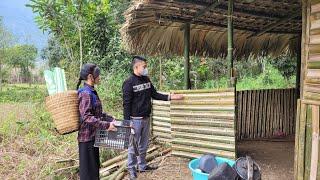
(170, 168)
(275, 158)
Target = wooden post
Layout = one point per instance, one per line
(230, 41)
(186, 56)
(298, 70)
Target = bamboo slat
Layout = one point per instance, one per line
(315, 143)
(296, 151)
(308, 142)
(301, 146)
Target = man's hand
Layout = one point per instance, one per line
(112, 127)
(176, 96)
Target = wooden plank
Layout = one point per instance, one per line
(259, 114)
(211, 138)
(203, 130)
(202, 91)
(203, 144)
(296, 149)
(282, 114)
(265, 106)
(256, 113)
(269, 102)
(273, 112)
(315, 8)
(249, 115)
(161, 119)
(301, 146)
(278, 109)
(285, 107)
(315, 39)
(189, 149)
(315, 143)
(292, 115)
(315, 24)
(253, 118)
(226, 116)
(244, 115)
(293, 108)
(239, 106)
(308, 142)
(203, 108)
(208, 123)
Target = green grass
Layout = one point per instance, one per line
(22, 93)
(30, 146)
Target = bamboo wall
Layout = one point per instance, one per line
(307, 164)
(307, 141)
(201, 123)
(161, 123)
(263, 113)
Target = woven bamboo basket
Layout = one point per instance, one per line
(64, 108)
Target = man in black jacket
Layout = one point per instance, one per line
(137, 93)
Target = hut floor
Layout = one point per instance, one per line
(275, 157)
(170, 168)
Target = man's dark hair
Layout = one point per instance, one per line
(136, 59)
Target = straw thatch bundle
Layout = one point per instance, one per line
(156, 27)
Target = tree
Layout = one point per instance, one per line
(6, 39)
(23, 57)
(53, 53)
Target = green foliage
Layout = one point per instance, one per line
(53, 53)
(271, 78)
(6, 39)
(22, 93)
(23, 57)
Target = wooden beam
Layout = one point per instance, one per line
(213, 5)
(204, 10)
(238, 10)
(273, 25)
(160, 18)
(186, 56)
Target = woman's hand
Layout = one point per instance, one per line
(112, 127)
(176, 96)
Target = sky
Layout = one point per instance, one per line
(19, 20)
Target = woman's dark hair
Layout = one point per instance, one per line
(87, 69)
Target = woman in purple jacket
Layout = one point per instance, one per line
(91, 116)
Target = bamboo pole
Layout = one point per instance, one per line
(249, 115)
(230, 40)
(315, 143)
(265, 100)
(240, 107)
(308, 142)
(244, 116)
(186, 56)
(302, 133)
(296, 143)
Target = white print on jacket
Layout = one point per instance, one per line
(141, 87)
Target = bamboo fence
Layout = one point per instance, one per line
(265, 113)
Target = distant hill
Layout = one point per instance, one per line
(19, 19)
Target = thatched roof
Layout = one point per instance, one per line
(261, 27)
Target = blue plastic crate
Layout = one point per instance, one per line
(198, 175)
